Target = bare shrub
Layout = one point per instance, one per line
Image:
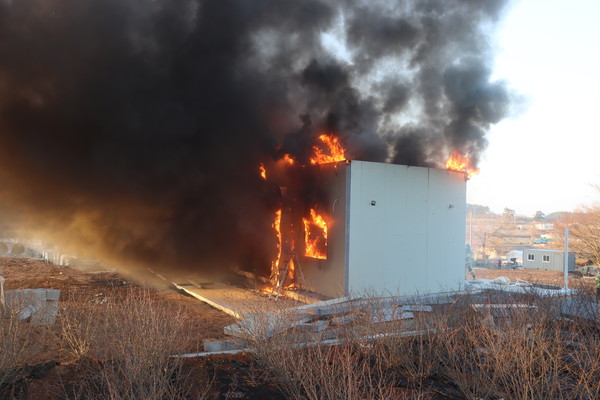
(585, 366)
(517, 354)
(19, 346)
(312, 366)
(136, 337)
(78, 328)
(416, 355)
(324, 372)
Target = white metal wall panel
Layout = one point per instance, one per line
(366, 227)
(446, 230)
(411, 240)
(407, 254)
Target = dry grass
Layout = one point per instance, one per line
(460, 352)
(133, 338)
(19, 346)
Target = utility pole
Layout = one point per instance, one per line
(566, 266)
(484, 238)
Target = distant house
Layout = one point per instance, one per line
(552, 260)
(544, 227)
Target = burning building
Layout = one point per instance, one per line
(349, 226)
(382, 228)
(134, 131)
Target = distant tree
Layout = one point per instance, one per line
(584, 232)
(539, 216)
(478, 209)
(510, 213)
(489, 237)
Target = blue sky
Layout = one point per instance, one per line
(547, 155)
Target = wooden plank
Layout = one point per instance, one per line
(265, 325)
(326, 342)
(391, 314)
(344, 305)
(225, 308)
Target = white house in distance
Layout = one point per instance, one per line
(552, 260)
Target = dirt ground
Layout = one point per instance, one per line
(95, 285)
(536, 276)
(56, 366)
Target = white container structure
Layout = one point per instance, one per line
(551, 260)
(392, 230)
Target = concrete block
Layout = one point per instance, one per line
(52, 294)
(391, 314)
(224, 345)
(316, 326)
(40, 305)
(343, 319)
(417, 308)
(581, 309)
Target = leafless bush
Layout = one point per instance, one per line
(19, 346)
(342, 363)
(135, 338)
(499, 346)
(324, 372)
(78, 327)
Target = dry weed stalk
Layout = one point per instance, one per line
(344, 363)
(20, 346)
(78, 327)
(136, 337)
(522, 349)
(17, 347)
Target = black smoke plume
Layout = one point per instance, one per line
(135, 128)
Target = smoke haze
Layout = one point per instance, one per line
(135, 128)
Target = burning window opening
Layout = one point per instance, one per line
(456, 162)
(286, 272)
(315, 236)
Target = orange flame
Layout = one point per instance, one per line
(328, 150)
(277, 227)
(456, 162)
(315, 236)
(277, 265)
(287, 159)
(262, 171)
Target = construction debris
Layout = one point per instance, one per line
(391, 314)
(267, 324)
(316, 326)
(506, 285)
